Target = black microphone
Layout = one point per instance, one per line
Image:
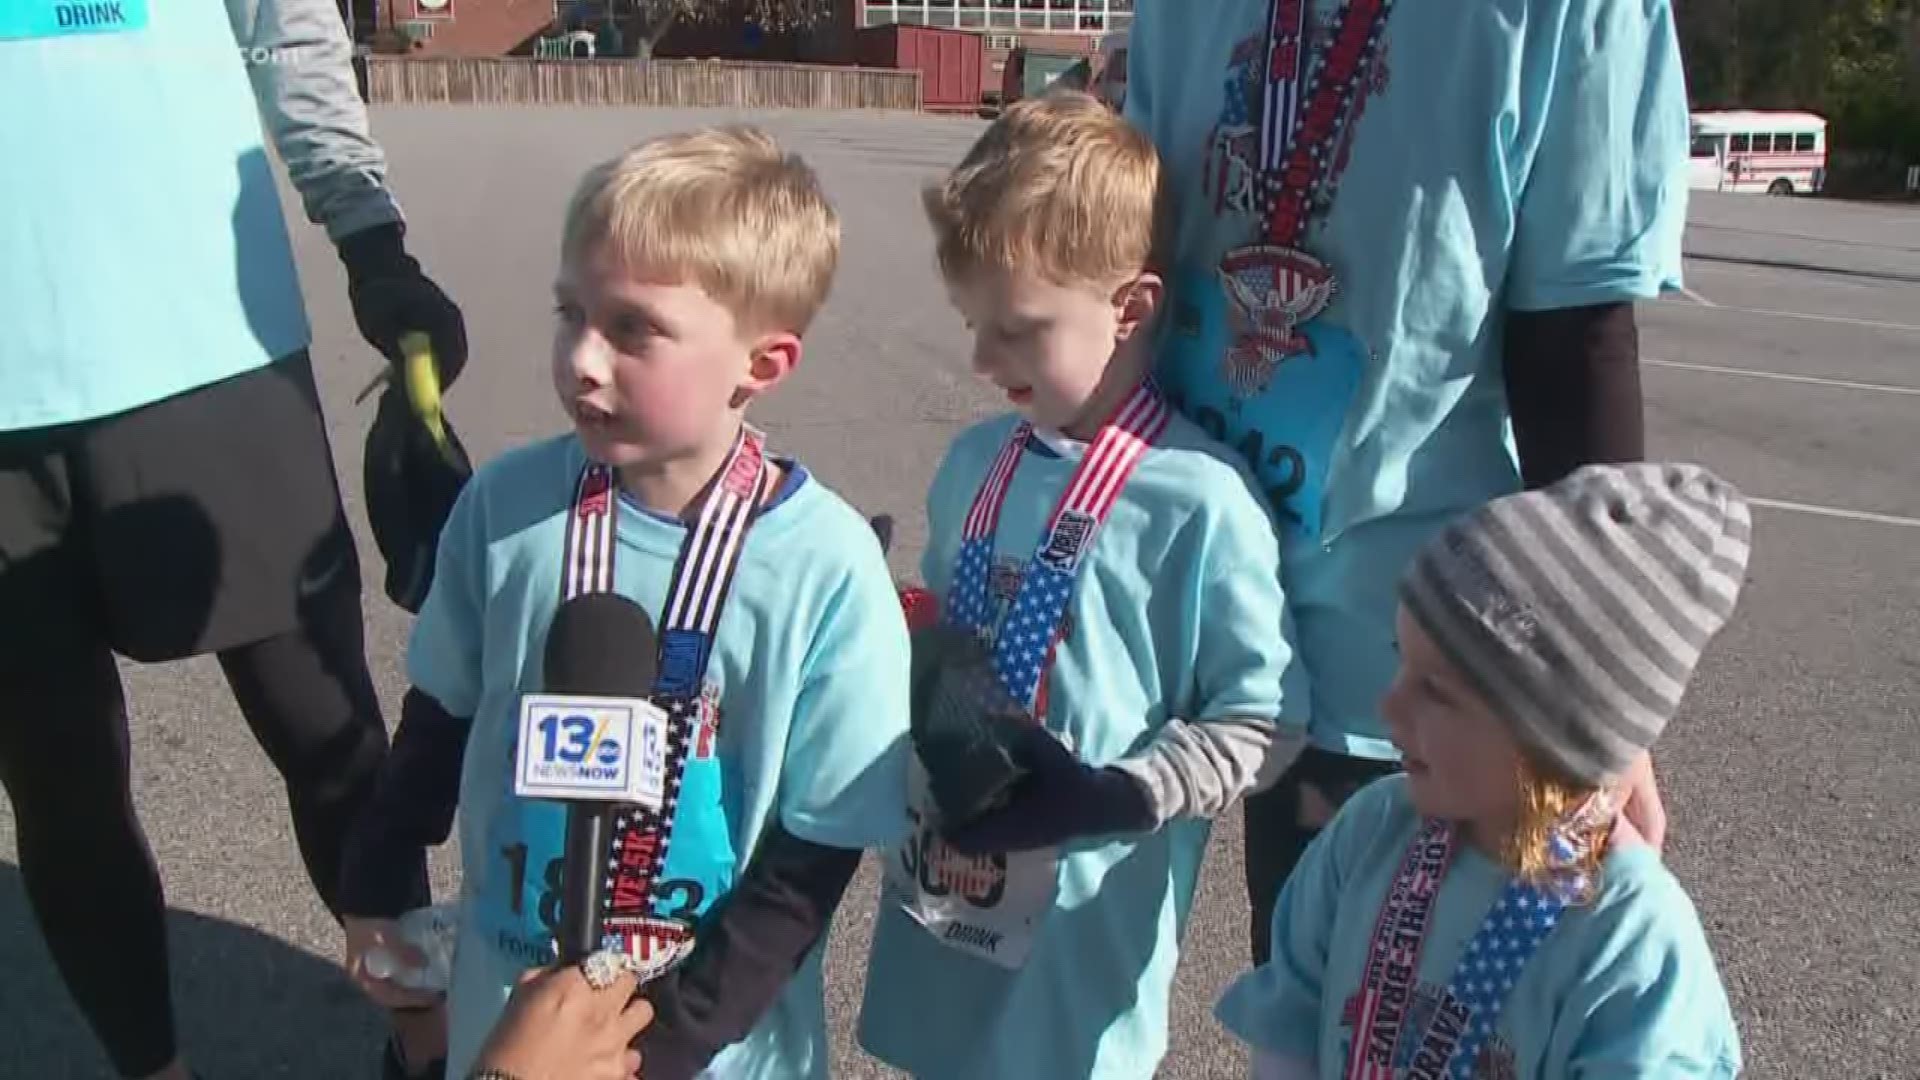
(600, 645)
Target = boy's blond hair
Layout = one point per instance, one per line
(1060, 187)
(722, 208)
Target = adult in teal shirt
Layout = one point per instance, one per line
(1461, 204)
(166, 486)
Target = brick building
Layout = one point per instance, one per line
(502, 27)
(1075, 27)
(452, 27)
(1054, 26)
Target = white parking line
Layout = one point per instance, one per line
(1781, 376)
(1874, 324)
(1695, 296)
(1836, 512)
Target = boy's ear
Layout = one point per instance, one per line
(1137, 302)
(774, 357)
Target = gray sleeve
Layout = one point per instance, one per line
(301, 63)
(1199, 769)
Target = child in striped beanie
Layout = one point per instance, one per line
(1489, 913)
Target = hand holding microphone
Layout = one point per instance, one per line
(557, 1027)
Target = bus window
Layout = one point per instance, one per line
(1741, 144)
(1803, 142)
(1783, 144)
(1706, 146)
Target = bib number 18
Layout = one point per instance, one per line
(684, 895)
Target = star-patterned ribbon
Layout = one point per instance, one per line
(1515, 926)
(1024, 645)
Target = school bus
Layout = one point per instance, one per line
(1779, 153)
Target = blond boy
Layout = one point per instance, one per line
(690, 269)
(1120, 578)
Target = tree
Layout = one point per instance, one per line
(1856, 61)
(653, 18)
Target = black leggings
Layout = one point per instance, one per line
(1275, 838)
(89, 873)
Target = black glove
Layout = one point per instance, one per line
(1060, 799)
(964, 724)
(410, 485)
(391, 296)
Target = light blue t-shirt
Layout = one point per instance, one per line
(1624, 986)
(1502, 154)
(1177, 612)
(143, 251)
(803, 715)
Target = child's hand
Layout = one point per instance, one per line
(365, 936)
(1060, 799)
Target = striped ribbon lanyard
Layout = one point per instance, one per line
(702, 576)
(1393, 957)
(1024, 645)
(1304, 116)
(1459, 1026)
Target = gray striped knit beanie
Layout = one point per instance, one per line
(1579, 610)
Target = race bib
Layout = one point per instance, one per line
(46, 18)
(517, 912)
(988, 906)
(1284, 419)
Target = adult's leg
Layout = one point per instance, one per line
(1283, 821)
(1343, 598)
(274, 572)
(90, 877)
(310, 701)
(274, 575)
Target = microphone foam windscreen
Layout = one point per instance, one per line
(601, 645)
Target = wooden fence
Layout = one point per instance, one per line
(665, 83)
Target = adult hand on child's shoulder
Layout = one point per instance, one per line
(1643, 817)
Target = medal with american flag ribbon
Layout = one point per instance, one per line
(1274, 286)
(1468, 1012)
(1024, 644)
(702, 575)
(1519, 921)
(1393, 956)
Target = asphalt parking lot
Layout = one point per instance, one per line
(1792, 366)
